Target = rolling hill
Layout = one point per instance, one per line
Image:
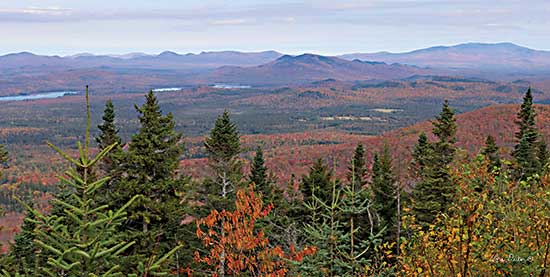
(307, 68)
(294, 153)
(25, 61)
(497, 57)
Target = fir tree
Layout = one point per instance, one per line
(318, 182)
(259, 175)
(357, 169)
(149, 168)
(384, 192)
(543, 156)
(109, 136)
(223, 148)
(421, 154)
(491, 153)
(24, 250)
(525, 152)
(80, 240)
(434, 191)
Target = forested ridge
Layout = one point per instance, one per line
(129, 209)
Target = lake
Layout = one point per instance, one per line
(46, 95)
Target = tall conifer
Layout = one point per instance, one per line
(434, 191)
(384, 192)
(149, 168)
(259, 175)
(80, 240)
(108, 136)
(318, 182)
(526, 150)
(223, 148)
(357, 169)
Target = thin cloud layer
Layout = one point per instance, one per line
(329, 27)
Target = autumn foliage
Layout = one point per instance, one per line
(236, 246)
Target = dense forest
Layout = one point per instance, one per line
(129, 209)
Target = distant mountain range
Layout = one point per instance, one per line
(27, 72)
(308, 68)
(496, 57)
(165, 60)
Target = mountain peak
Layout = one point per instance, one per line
(169, 54)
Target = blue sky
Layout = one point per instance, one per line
(324, 26)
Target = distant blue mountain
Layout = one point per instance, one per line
(482, 56)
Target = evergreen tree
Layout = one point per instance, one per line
(384, 192)
(543, 156)
(332, 231)
(526, 151)
(421, 154)
(80, 240)
(149, 168)
(434, 191)
(259, 175)
(24, 250)
(318, 182)
(357, 169)
(223, 148)
(491, 153)
(109, 136)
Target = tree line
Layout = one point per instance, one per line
(129, 210)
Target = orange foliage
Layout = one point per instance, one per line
(236, 246)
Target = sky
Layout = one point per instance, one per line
(328, 27)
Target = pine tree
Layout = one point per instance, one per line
(434, 191)
(525, 152)
(384, 192)
(223, 148)
(109, 135)
(491, 153)
(149, 168)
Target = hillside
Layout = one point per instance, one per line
(310, 67)
(294, 153)
(498, 57)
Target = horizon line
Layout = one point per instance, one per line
(323, 53)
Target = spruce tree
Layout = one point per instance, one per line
(24, 250)
(223, 148)
(318, 182)
(108, 136)
(384, 192)
(421, 154)
(357, 169)
(259, 175)
(149, 168)
(543, 156)
(434, 190)
(526, 151)
(491, 153)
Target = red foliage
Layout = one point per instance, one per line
(236, 246)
